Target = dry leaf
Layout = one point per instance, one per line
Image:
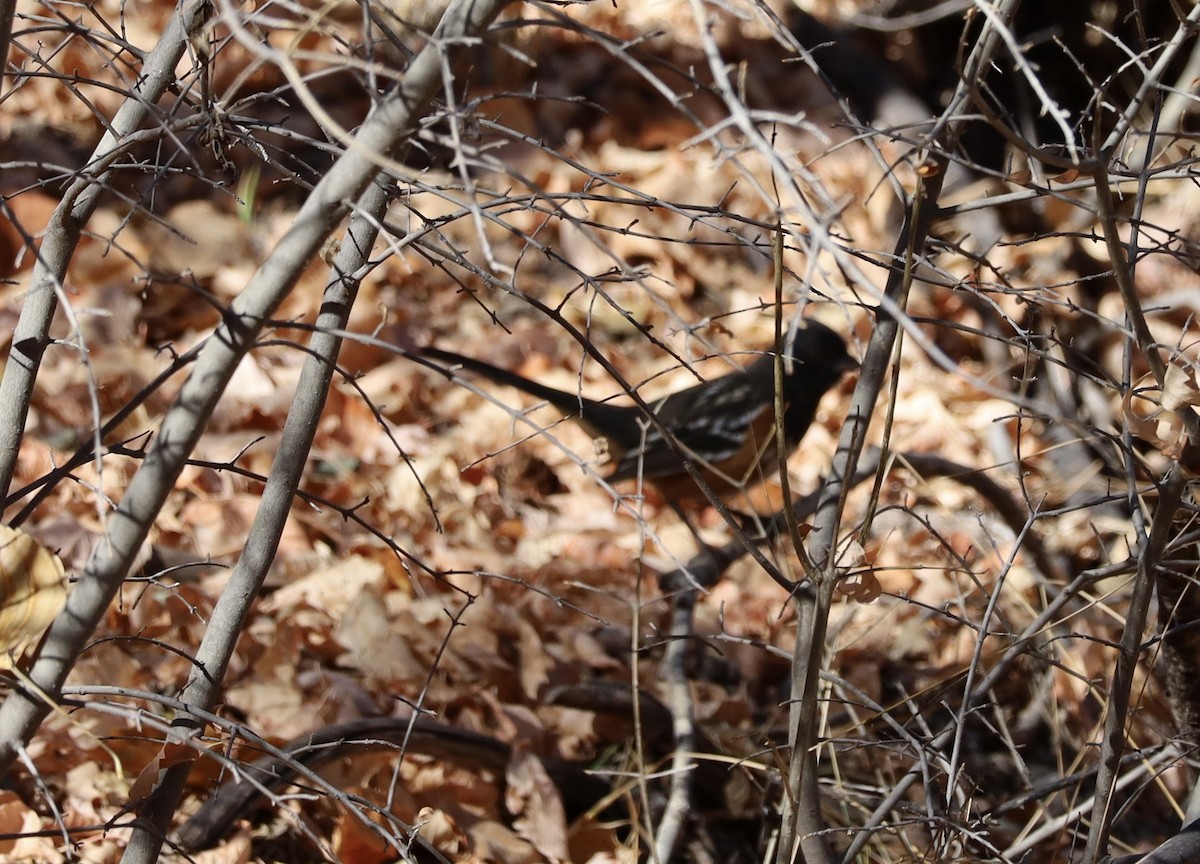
(536, 663)
(440, 829)
(373, 646)
(861, 583)
(331, 589)
(168, 756)
(1144, 426)
(495, 842)
(33, 587)
(1165, 427)
(355, 841)
(16, 819)
(235, 850)
(1179, 387)
(852, 555)
(862, 586)
(31, 211)
(536, 804)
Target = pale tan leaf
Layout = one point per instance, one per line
(1165, 427)
(32, 588)
(852, 555)
(1180, 389)
(536, 804)
(440, 829)
(1174, 435)
(495, 842)
(373, 646)
(536, 663)
(1144, 426)
(330, 589)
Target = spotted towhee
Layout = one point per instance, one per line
(725, 427)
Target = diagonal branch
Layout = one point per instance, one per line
(32, 333)
(389, 125)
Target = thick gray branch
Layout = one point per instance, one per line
(32, 333)
(391, 123)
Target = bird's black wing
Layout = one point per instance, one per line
(709, 421)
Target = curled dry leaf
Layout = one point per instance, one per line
(168, 756)
(861, 586)
(32, 590)
(860, 582)
(441, 830)
(1164, 427)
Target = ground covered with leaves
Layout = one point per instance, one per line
(454, 552)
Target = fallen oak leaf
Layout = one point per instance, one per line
(536, 804)
(33, 590)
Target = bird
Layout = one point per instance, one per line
(725, 427)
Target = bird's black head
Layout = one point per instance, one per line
(820, 355)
